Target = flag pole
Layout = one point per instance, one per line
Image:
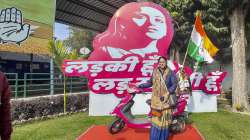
(183, 64)
(64, 94)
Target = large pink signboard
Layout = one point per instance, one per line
(128, 50)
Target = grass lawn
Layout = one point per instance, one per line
(214, 126)
(223, 125)
(62, 128)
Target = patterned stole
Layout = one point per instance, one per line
(159, 89)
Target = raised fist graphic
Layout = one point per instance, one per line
(12, 28)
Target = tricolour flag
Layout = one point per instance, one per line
(200, 47)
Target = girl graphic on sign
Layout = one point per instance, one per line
(142, 29)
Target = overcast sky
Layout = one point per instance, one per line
(61, 31)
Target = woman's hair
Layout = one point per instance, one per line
(162, 57)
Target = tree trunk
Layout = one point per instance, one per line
(239, 84)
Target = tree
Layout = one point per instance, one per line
(183, 14)
(79, 38)
(59, 52)
(182, 25)
(226, 23)
(237, 15)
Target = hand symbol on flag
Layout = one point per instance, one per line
(12, 28)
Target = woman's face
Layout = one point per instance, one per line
(162, 63)
(156, 28)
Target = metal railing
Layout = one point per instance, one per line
(38, 84)
(13, 81)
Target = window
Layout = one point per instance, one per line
(35, 66)
(46, 66)
(19, 66)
